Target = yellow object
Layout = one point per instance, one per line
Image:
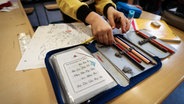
(70, 7)
(88, 41)
(162, 32)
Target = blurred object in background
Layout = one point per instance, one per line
(173, 13)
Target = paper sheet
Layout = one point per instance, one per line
(51, 37)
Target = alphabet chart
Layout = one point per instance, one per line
(82, 75)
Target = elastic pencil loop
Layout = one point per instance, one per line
(130, 49)
(144, 41)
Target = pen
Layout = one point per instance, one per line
(88, 40)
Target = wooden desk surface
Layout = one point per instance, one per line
(28, 87)
(34, 87)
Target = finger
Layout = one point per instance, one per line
(111, 21)
(118, 25)
(105, 39)
(100, 38)
(138, 6)
(110, 38)
(95, 35)
(128, 23)
(123, 25)
(118, 22)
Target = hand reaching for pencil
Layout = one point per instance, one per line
(117, 19)
(101, 29)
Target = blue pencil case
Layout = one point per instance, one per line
(124, 7)
(61, 71)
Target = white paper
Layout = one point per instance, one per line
(51, 37)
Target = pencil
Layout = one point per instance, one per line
(156, 43)
(88, 40)
(129, 56)
(118, 45)
(132, 50)
(151, 41)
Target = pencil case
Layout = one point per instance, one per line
(124, 7)
(124, 71)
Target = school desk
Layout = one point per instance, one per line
(34, 86)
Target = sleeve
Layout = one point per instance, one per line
(102, 6)
(74, 8)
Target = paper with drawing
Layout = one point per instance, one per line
(51, 37)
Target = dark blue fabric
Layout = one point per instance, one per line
(91, 47)
(53, 15)
(105, 96)
(41, 14)
(33, 19)
(31, 16)
(54, 81)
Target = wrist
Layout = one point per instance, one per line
(83, 12)
(110, 10)
(106, 9)
(92, 17)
